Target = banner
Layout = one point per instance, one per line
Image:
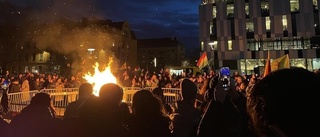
(280, 63)
(203, 60)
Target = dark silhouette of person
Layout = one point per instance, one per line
(158, 93)
(124, 112)
(72, 110)
(148, 118)
(286, 103)
(71, 115)
(36, 119)
(186, 117)
(103, 116)
(4, 108)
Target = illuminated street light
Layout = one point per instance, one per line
(91, 50)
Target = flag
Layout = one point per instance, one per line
(203, 60)
(267, 68)
(280, 63)
(124, 66)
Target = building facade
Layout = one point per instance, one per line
(239, 33)
(69, 49)
(157, 53)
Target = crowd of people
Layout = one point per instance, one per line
(283, 103)
(129, 77)
(23, 82)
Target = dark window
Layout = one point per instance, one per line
(286, 51)
(300, 54)
(294, 24)
(253, 55)
(232, 30)
(268, 34)
(232, 64)
(215, 55)
(317, 53)
(216, 64)
(33, 56)
(316, 23)
(250, 35)
(285, 33)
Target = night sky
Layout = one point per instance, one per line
(147, 18)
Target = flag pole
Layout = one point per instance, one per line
(267, 67)
(209, 66)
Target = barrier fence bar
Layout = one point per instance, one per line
(62, 97)
(17, 101)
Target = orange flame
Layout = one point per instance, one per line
(99, 78)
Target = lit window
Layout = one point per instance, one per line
(211, 28)
(214, 12)
(229, 44)
(249, 26)
(33, 69)
(284, 22)
(294, 5)
(268, 22)
(230, 10)
(247, 9)
(315, 4)
(26, 69)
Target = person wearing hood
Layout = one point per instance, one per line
(186, 117)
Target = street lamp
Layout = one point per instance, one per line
(91, 50)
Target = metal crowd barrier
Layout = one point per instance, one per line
(19, 100)
(171, 94)
(62, 97)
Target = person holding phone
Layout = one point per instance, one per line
(226, 113)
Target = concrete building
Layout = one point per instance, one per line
(239, 33)
(157, 53)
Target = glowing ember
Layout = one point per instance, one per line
(100, 78)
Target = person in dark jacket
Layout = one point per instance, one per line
(158, 93)
(36, 120)
(186, 116)
(285, 103)
(148, 119)
(14, 86)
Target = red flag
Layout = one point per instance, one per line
(267, 68)
(203, 60)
